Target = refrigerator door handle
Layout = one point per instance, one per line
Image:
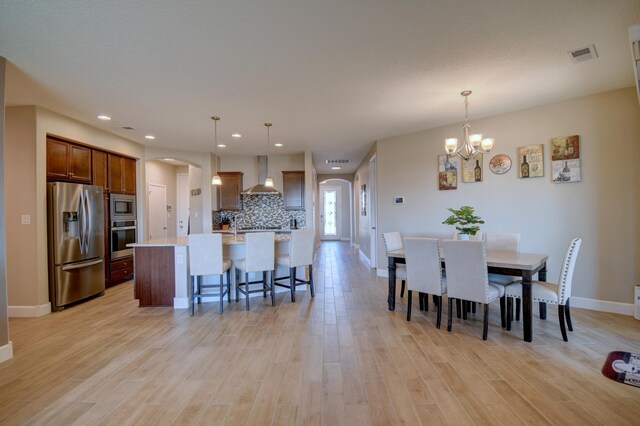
(81, 265)
(86, 232)
(81, 220)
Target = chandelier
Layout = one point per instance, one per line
(473, 144)
(215, 180)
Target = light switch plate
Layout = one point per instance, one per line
(26, 219)
(180, 259)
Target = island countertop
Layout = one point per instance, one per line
(227, 239)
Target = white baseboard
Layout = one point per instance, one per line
(601, 305)
(345, 239)
(180, 303)
(29, 311)
(364, 258)
(383, 272)
(6, 352)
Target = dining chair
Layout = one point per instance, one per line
(503, 241)
(467, 277)
(424, 271)
(393, 241)
(205, 258)
(300, 255)
(557, 294)
(259, 257)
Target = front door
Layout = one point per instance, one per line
(157, 211)
(330, 213)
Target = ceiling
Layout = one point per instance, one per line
(333, 75)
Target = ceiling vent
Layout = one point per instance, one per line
(128, 128)
(583, 54)
(634, 37)
(331, 162)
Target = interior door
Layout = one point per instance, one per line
(157, 211)
(330, 226)
(182, 201)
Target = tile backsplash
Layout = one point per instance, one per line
(260, 211)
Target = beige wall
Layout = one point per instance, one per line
(603, 209)
(363, 223)
(4, 321)
(162, 173)
(29, 126)
(345, 205)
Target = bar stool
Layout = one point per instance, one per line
(205, 258)
(259, 257)
(300, 254)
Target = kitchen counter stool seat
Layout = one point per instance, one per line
(300, 255)
(205, 258)
(259, 257)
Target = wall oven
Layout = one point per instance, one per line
(122, 233)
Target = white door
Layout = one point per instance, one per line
(330, 226)
(182, 201)
(157, 211)
(373, 213)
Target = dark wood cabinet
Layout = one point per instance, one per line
(121, 269)
(293, 190)
(68, 162)
(229, 193)
(99, 163)
(122, 174)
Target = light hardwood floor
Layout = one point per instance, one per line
(341, 358)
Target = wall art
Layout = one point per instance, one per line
(531, 161)
(472, 169)
(500, 164)
(565, 159)
(448, 172)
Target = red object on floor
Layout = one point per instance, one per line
(623, 367)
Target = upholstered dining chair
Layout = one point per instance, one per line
(300, 255)
(503, 241)
(467, 277)
(259, 257)
(393, 241)
(424, 271)
(205, 258)
(557, 294)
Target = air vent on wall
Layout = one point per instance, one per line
(337, 161)
(128, 128)
(583, 54)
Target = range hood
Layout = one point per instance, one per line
(260, 189)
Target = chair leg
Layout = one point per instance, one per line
(459, 308)
(273, 286)
(190, 294)
(439, 314)
(246, 289)
(450, 314)
(567, 313)
(229, 285)
(503, 313)
(425, 301)
(485, 326)
(292, 283)
(420, 300)
(518, 303)
(543, 310)
(237, 285)
(473, 307)
(563, 330)
(221, 293)
(199, 281)
(409, 293)
(313, 294)
(509, 312)
(465, 308)
(404, 283)
(264, 284)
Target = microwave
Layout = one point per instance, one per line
(122, 207)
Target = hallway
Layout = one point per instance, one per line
(340, 358)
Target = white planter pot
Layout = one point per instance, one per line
(464, 237)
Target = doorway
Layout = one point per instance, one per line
(182, 201)
(330, 220)
(373, 213)
(157, 211)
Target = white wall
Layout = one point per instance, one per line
(603, 209)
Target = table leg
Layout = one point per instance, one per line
(392, 284)
(527, 306)
(542, 276)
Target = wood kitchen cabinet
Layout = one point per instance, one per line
(68, 162)
(99, 163)
(229, 193)
(293, 190)
(122, 174)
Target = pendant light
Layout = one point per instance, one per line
(215, 180)
(268, 182)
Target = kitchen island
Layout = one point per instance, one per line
(162, 268)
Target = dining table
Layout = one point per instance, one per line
(524, 265)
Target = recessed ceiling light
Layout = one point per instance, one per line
(336, 168)
(169, 159)
(278, 145)
(150, 137)
(221, 145)
(104, 117)
(236, 135)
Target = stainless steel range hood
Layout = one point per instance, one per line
(260, 189)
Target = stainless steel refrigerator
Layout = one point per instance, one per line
(76, 242)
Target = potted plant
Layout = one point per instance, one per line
(465, 221)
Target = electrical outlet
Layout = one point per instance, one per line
(26, 219)
(180, 259)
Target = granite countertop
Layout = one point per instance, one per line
(227, 239)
